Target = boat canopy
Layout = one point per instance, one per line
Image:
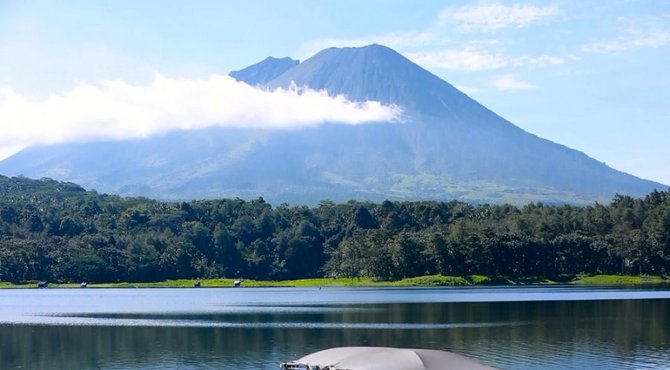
(387, 358)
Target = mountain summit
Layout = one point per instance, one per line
(373, 72)
(448, 147)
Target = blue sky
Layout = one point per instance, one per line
(592, 75)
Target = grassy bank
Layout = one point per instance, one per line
(421, 281)
(620, 280)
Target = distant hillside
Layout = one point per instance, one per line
(447, 147)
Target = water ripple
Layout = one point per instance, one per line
(115, 321)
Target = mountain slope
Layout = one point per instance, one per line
(447, 147)
(453, 136)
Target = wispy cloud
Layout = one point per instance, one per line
(440, 44)
(118, 110)
(468, 59)
(511, 83)
(477, 59)
(397, 40)
(492, 17)
(633, 40)
(541, 61)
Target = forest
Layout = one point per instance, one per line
(58, 231)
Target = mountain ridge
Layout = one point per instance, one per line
(264, 71)
(449, 147)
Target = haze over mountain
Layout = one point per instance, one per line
(447, 146)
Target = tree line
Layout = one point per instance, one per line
(58, 231)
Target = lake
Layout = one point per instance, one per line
(545, 327)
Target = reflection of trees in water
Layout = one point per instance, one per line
(73, 347)
(532, 330)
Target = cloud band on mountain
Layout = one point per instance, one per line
(118, 110)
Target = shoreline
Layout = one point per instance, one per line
(420, 281)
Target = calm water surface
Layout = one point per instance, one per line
(509, 328)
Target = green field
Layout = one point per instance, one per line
(420, 281)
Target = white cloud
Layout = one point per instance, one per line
(477, 59)
(633, 41)
(541, 61)
(468, 59)
(491, 17)
(511, 83)
(118, 110)
(440, 44)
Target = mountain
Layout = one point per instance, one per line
(265, 71)
(376, 73)
(448, 146)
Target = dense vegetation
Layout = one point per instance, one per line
(57, 231)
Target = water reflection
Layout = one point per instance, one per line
(509, 335)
